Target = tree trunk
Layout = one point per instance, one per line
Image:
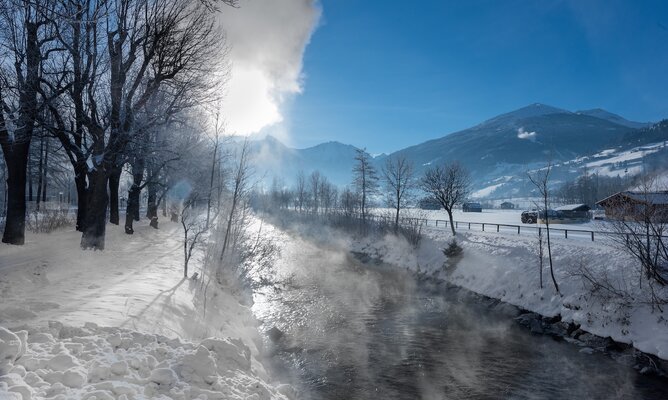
(29, 166)
(82, 193)
(114, 182)
(97, 200)
(396, 220)
(17, 149)
(132, 208)
(40, 173)
(452, 223)
(152, 205)
(45, 169)
(15, 221)
(134, 195)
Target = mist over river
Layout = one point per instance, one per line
(347, 330)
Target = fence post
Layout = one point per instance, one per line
(592, 236)
(497, 227)
(540, 231)
(469, 226)
(436, 222)
(518, 229)
(483, 227)
(566, 233)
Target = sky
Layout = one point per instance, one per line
(387, 74)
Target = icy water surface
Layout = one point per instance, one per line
(355, 331)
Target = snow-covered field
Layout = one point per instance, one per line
(122, 324)
(506, 267)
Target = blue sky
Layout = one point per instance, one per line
(387, 74)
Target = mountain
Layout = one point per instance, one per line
(608, 116)
(272, 159)
(497, 152)
(508, 143)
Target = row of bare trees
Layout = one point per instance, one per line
(395, 185)
(112, 81)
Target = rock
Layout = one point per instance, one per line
(536, 326)
(275, 334)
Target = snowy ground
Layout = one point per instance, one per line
(506, 267)
(122, 323)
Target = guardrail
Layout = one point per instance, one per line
(538, 229)
(486, 226)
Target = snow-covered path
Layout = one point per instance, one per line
(140, 322)
(130, 284)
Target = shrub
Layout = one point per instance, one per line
(453, 249)
(48, 221)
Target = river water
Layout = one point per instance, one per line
(357, 331)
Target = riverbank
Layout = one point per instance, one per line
(124, 323)
(506, 268)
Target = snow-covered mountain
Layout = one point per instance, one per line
(607, 115)
(498, 151)
(272, 159)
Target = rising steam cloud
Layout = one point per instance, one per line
(267, 39)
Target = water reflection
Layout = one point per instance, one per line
(355, 331)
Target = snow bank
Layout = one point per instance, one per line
(60, 362)
(505, 266)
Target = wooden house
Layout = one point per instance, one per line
(637, 206)
(506, 205)
(471, 207)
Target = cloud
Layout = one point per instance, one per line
(267, 39)
(522, 134)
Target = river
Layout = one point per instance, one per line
(357, 331)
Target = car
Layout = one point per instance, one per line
(529, 216)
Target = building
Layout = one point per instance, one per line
(506, 205)
(429, 203)
(471, 207)
(574, 212)
(639, 206)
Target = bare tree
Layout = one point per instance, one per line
(218, 127)
(399, 178)
(541, 179)
(314, 186)
(239, 192)
(365, 180)
(193, 229)
(26, 39)
(449, 184)
(300, 191)
(349, 201)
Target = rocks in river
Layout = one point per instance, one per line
(275, 334)
(536, 326)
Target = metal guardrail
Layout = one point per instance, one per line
(459, 225)
(537, 229)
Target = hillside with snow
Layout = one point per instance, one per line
(499, 151)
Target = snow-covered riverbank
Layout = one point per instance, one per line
(505, 267)
(123, 323)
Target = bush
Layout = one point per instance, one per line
(48, 221)
(453, 249)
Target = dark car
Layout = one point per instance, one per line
(529, 216)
